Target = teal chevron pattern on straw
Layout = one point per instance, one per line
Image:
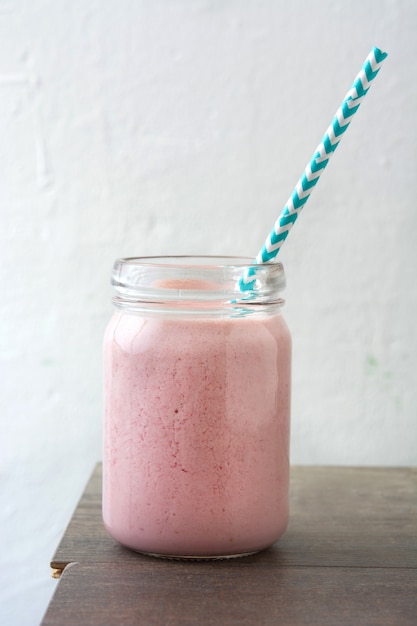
(318, 162)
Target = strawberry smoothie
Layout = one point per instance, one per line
(196, 433)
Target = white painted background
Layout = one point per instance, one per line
(163, 126)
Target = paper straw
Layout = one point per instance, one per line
(318, 162)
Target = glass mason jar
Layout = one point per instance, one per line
(197, 407)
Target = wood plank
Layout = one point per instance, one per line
(243, 592)
(345, 517)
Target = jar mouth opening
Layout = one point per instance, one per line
(187, 261)
(234, 279)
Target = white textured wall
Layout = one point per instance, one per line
(163, 126)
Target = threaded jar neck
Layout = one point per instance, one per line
(196, 283)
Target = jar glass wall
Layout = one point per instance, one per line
(197, 407)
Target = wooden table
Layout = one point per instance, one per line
(348, 557)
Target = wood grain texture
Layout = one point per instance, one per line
(349, 556)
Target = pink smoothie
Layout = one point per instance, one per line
(196, 433)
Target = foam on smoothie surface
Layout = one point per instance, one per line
(186, 284)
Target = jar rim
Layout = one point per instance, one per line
(186, 278)
(185, 260)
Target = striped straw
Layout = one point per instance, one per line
(318, 162)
